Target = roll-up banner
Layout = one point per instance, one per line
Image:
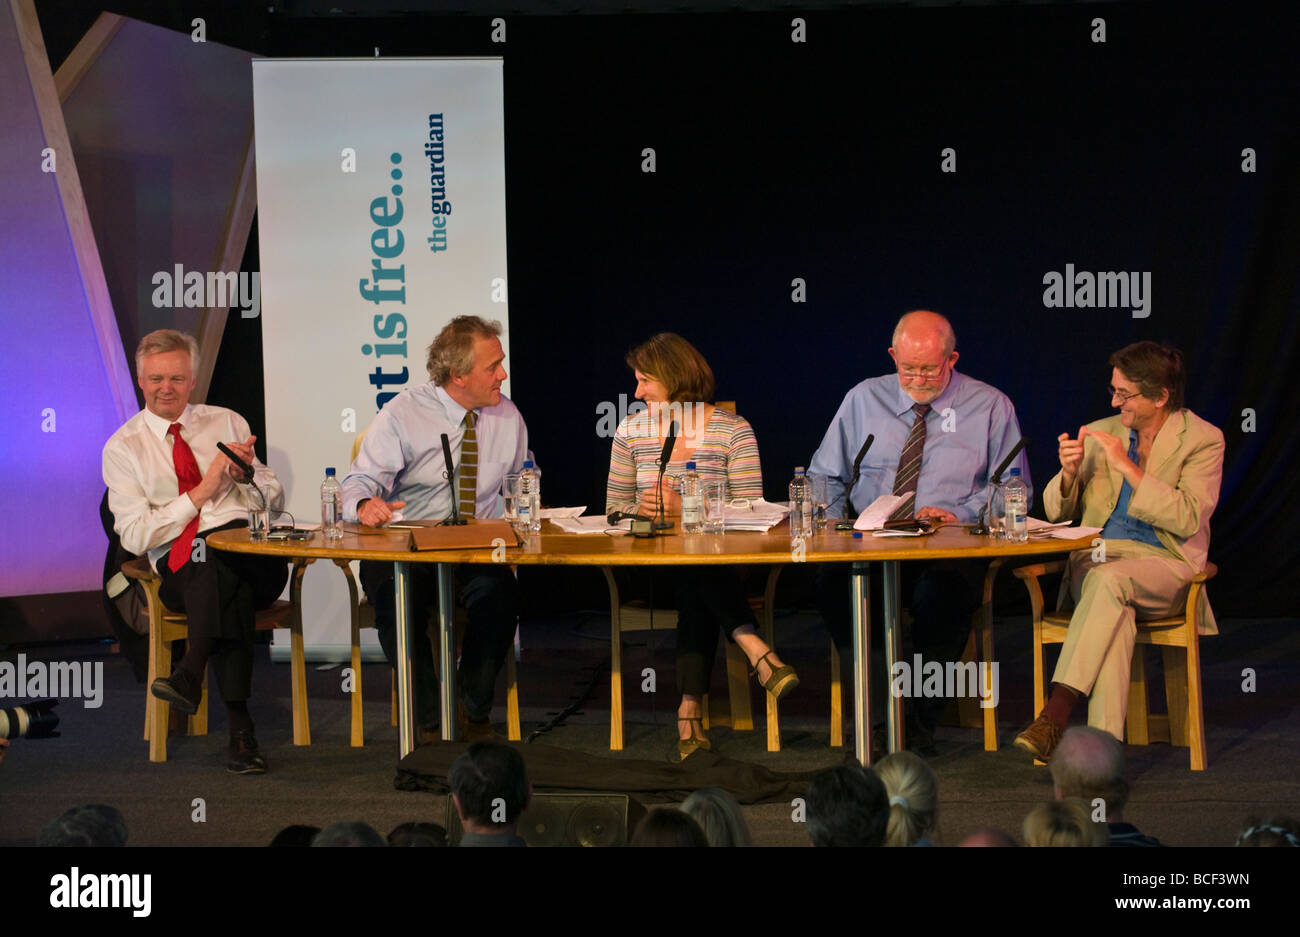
(381, 215)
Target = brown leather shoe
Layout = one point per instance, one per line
(1040, 739)
(469, 731)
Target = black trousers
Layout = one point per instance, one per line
(490, 596)
(708, 599)
(942, 598)
(219, 597)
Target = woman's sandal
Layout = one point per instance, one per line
(782, 680)
(688, 747)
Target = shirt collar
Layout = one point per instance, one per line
(158, 426)
(455, 412)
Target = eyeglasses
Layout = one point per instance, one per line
(929, 373)
(1120, 395)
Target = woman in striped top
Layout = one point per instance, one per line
(673, 379)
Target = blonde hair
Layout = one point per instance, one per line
(452, 352)
(1063, 823)
(913, 797)
(161, 341)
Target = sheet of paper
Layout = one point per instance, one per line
(553, 513)
(874, 517)
(595, 524)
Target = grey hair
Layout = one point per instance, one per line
(160, 342)
(452, 352)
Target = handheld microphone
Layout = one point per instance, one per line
(239, 463)
(857, 465)
(664, 455)
(455, 520)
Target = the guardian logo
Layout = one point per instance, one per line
(105, 890)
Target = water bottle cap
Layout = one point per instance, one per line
(329, 472)
(857, 535)
(528, 463)
(690, 466)
(799, 470)
(1015, 472)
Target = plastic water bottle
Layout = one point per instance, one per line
(692, 501)
(801, 506)
(331, 507)
(530, 499)
(997, 510)
(1016, 498)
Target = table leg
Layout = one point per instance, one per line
(446, 656)
(405, 697)
(894, 706)
(860, 584)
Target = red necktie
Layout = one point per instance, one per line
(187, 476)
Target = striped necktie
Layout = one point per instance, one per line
(909, 464)
(468, 481)
(187, 476)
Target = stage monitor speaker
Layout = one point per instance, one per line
(568, 820)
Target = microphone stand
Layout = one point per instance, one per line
(669, 442)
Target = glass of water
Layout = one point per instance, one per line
(510, 492)
(817, 490)
(715, 506)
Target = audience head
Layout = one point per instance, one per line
(847, 806)
(1155, 370)
(1088, 764)
(668, 826)
(719, 816)
(1063, 823)
(924, 350)
(165, 362)
(417, 834)
(348, 834)
(989, 836)
(87, 825)
(489, 787)
(466, 360)
(295, 835)
(913, 792)
(1277, 831)
(674, 364)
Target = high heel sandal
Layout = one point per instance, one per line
(688, 747)
(782, 679)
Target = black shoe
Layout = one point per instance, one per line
(245, 758)
(181, 690)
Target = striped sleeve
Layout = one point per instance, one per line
(620, 489)
(744, 472)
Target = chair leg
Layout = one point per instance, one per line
(742, 716)
(157, 712)
(988, 684)
(615, 686)
(1175, 661)
(197, 724)
(1195, 702)
(768, 625)
(298, 660)
(358, 734)
(1137, 723)
(514, 730)
(837, 700)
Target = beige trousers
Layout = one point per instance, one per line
(1137, 581)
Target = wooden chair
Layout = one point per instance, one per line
(1179, 640)
(363, 616)
(979, 649)
(166, 626)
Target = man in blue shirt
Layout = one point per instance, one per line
(401, 467)
(939, 436)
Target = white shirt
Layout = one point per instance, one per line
(401, 456)
(149, 512)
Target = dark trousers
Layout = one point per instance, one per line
(219, 597)
(490, 597)
(942, 598)
(708, 599)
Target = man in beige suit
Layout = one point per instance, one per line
(1149, 478)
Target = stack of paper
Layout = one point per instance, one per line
(753, 514)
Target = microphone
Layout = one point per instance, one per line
(239, 463)
(1011, 456)
(455, 520)
(664, 455)
(857, 465)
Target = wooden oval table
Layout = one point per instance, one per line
(555, 548)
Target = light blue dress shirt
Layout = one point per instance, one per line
(1122, 525)
(969, 430)
(401, 456)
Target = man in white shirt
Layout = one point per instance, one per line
(401, 467)
(168, 488)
